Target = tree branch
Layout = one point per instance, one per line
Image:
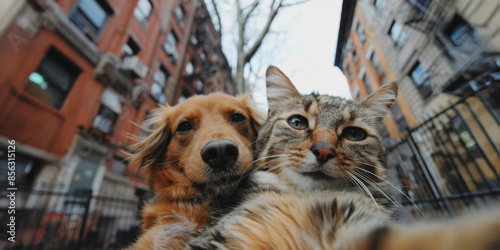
(217, 15)
(293, 4)
(249, 13)
(272, 14)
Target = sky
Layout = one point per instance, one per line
(302, 45)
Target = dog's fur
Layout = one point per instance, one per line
(187, 188)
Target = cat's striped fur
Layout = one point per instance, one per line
(313, 170)
(334, 197)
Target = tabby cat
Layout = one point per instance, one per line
(311, 146)
(318, 182)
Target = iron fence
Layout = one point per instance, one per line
(52, 220)
(451, 161)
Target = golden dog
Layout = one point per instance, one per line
(197, 151)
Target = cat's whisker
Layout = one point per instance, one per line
(376, 186)
(285, 169)
(354, 182)
(377, 167)
(365, 188)
(263, 165)
(395, 188)
(263, 158)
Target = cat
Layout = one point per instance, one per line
(319, 183)
(326, 150)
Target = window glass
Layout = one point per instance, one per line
(397, 34)
(160, 81)
(53, 79)
(118, 166)
(421, 79)
(105, 119)
(91, 16)
(179, 15)
(143, 10)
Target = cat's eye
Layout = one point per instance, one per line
(298, 122)
(354, 134)
(184, 127)
(237, 118)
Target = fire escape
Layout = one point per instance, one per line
(215, 71)
(423, 15)
(208, 49)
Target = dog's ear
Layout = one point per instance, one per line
(257, 115)
(151, 150)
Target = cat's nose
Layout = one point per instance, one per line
(323, 153)
(221, 154)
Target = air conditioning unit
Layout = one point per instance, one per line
(102, 123)
(134, 65)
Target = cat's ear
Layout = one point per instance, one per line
(380, 101)
(279, 87)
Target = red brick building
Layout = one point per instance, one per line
(78, 75)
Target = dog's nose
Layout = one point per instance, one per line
(323, 152)
(220, 154)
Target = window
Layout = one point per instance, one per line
(179, 15)
(160, 82)
(118, 166)
(53, 79)
(105, 119)
(26, 170)
(361, 33)
(367, 84)
(185, 95)
(350, 75)
(376, 64)
(355, 57)
(397, 34)
(202, 56)
(190, 66)
(459, 31)
(130, 48)
(170, 45)
(420, 6)
(398, 116)
(380, 5)
(421, 79)
(467, 139)
(198, 85)
(142, 11)
(194, 41)
(91, 16)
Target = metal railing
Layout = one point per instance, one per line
(451, 161)
(52, 220)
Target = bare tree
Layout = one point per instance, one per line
(248, 43)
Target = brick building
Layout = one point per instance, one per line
(78, 75)
(443, 134)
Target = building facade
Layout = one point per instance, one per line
(445, 56)
(78, 76)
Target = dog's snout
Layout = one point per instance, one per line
(220, 154)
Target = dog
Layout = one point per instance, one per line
(195, 155)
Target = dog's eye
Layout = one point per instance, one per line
(237, 118)
(354, 134)
(298, 122)
(184, 127)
